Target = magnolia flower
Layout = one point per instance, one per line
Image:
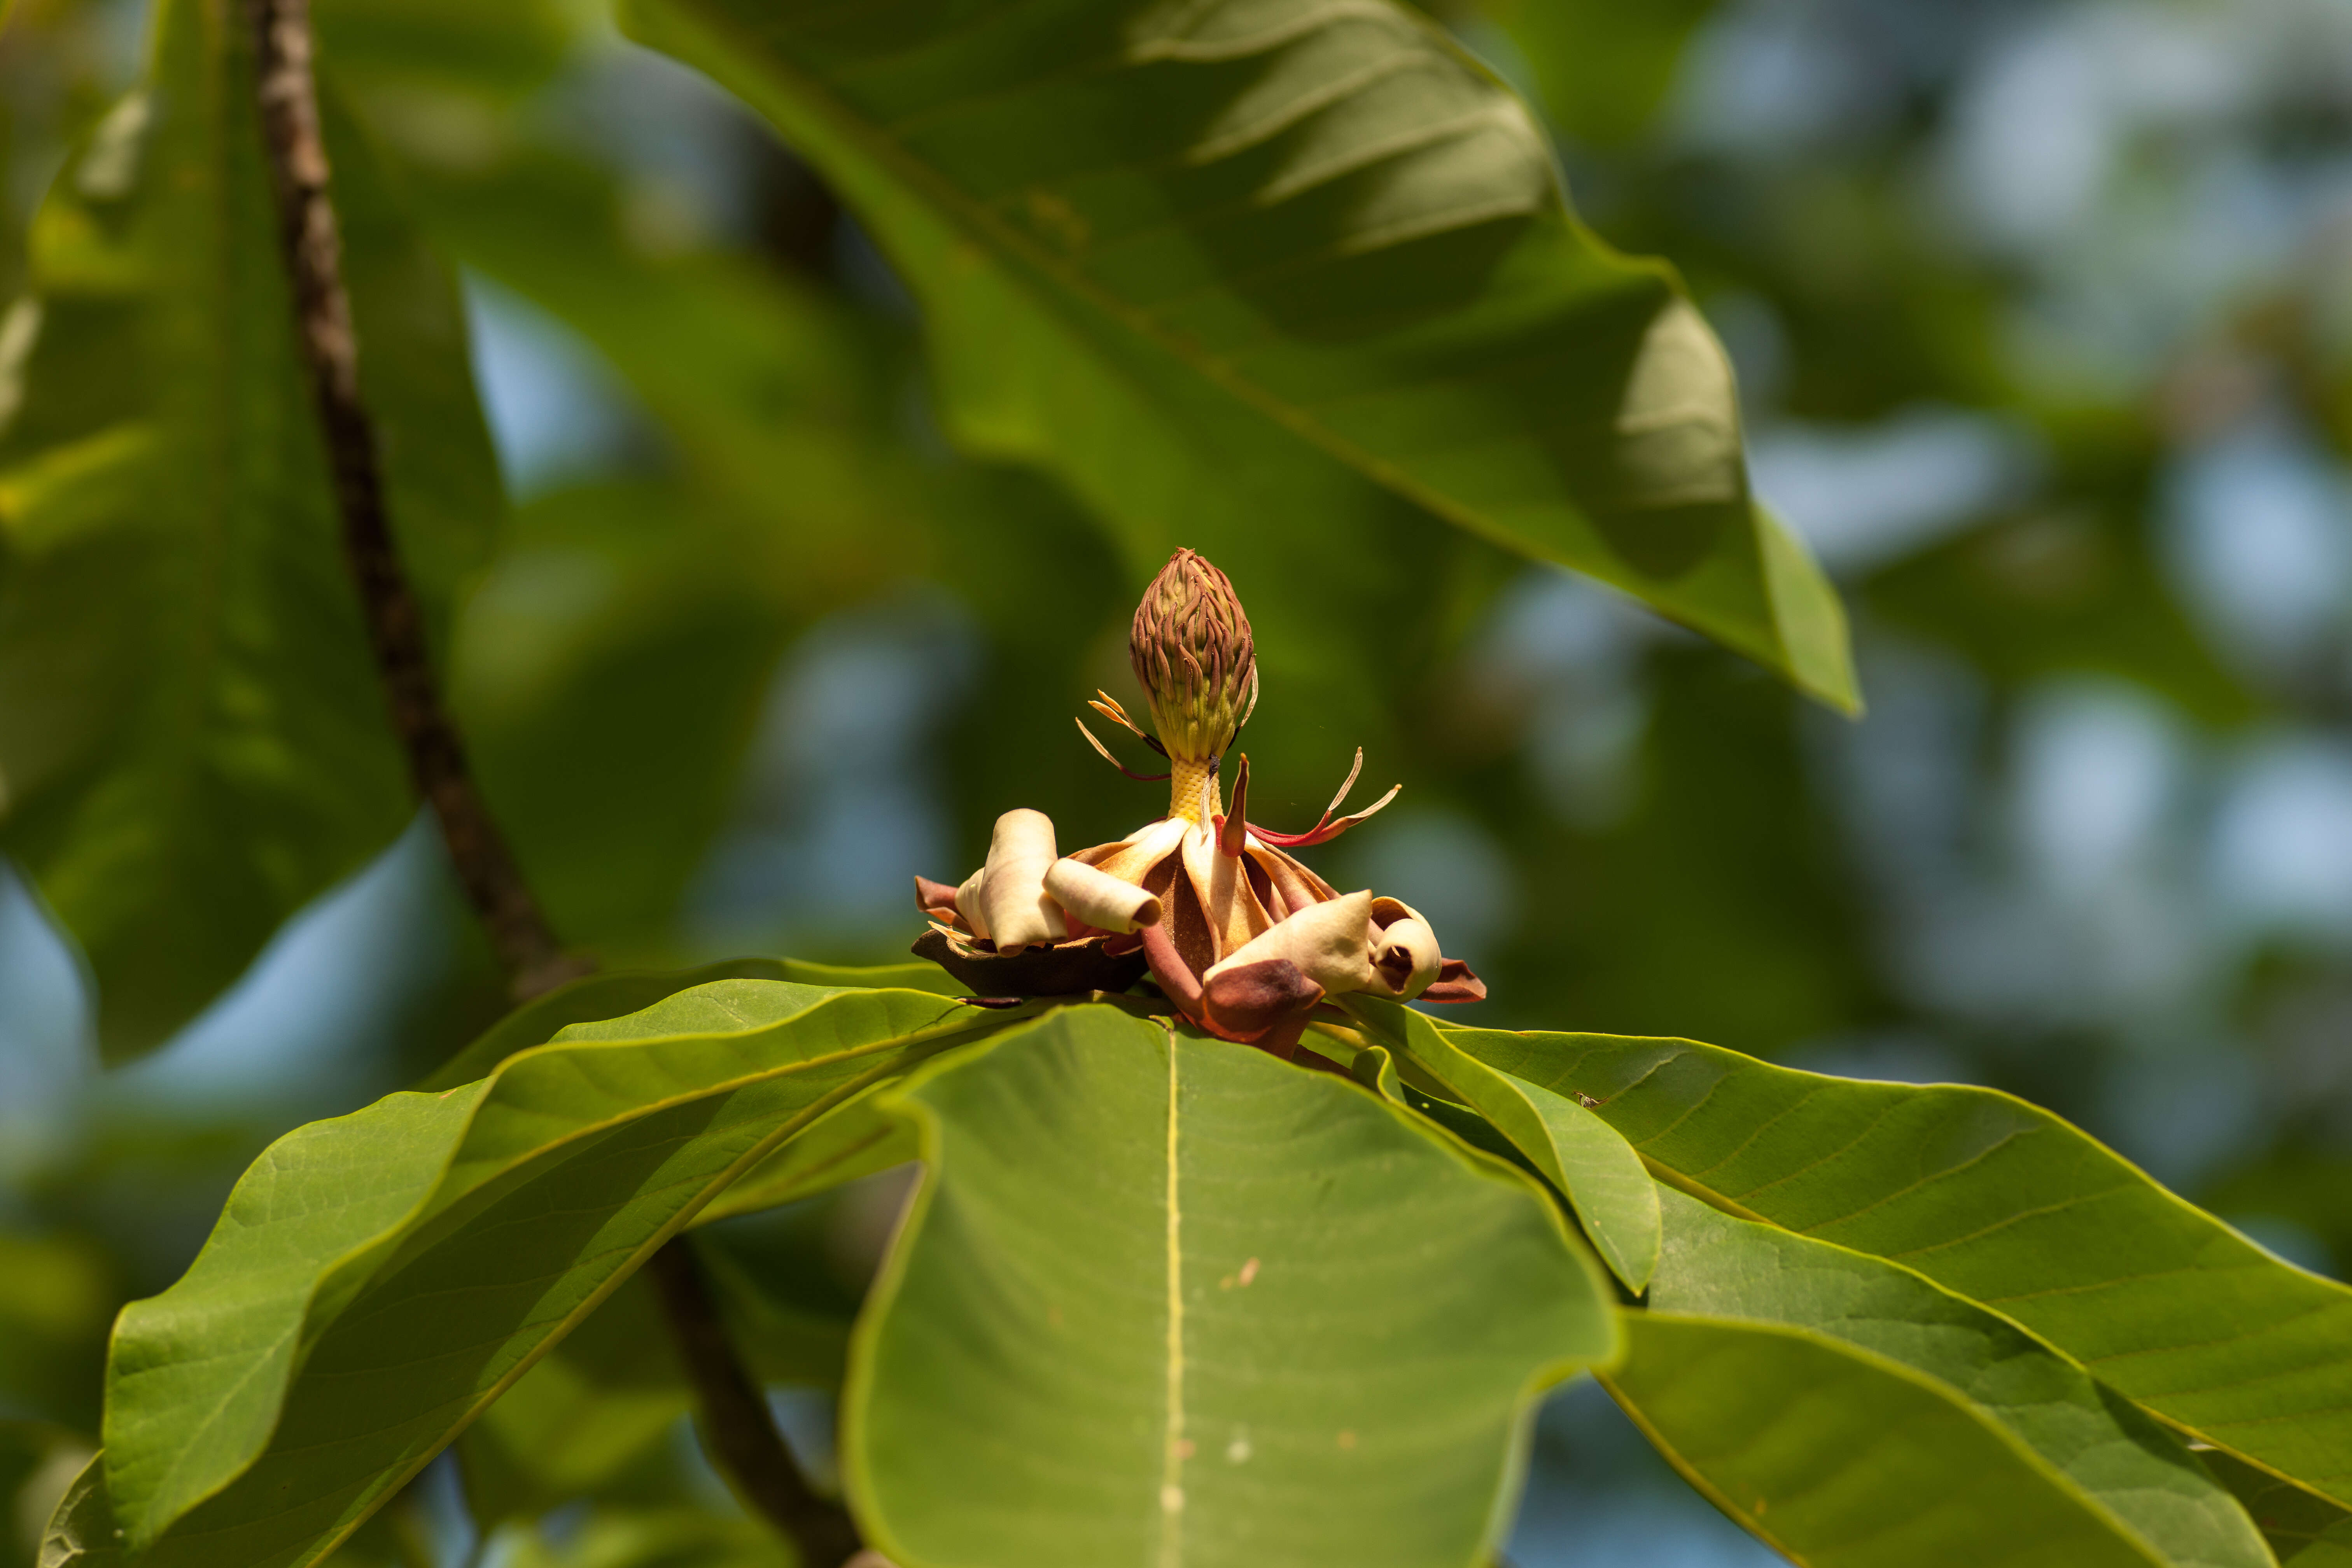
(1241, 936)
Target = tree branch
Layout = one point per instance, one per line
(741, 1430)
(737, 1425)
(312, 247)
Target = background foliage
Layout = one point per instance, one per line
(2040, 326)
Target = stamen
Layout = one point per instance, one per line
(1325, 830)
(1104, 751)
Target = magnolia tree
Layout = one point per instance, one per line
(1225, 1248)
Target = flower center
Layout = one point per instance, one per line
(1192, 792)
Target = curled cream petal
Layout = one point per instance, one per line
(1012, 884)
(1329, 942)
(966, 902)
(1100, 899)
(1132, 858)
(1406, 958)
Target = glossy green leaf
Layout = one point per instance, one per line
(1842, 1458)
(1220, 264)
(377, 1280)
(192, 742)
(611, 995)
(2003, 1204)
(2134, 1479)
(1580, 1154)
(1166, 1300)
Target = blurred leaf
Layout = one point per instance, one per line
(2134, 1479)
(2055, 593)
(782, 400)
(192, 742)
(1842, 1458)
(58, 1295)
(1288, 263)
(1165, 1298)
(375, 1279)
(1722, 849)
(583, 1414)
(408, 48)
(610, 674)
(2297, 1182)
(655, 1537)
(1577, 1151)
(1601, 69)
(2007, 1206)
(612, 668)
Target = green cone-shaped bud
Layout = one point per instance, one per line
(1191, 649)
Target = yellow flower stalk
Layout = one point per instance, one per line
(1241, 937)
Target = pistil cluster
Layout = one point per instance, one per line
(1240, 936)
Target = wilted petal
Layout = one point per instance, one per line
(1132, 858)
(1246, 1000)
(1455, 984)
(936, 900)
(1011, 895)
(1228, 903)
(1405, 956)
(1329, 942)
(1101, 901)
(1293, 883)
(968, 903)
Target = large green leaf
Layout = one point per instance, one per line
(1165, 1299)
(2005, 1204)
(2134, 1482)
(1843, 1459)
(1222, 264)
(1586, 1158)
(377, 1280)
(192, 742)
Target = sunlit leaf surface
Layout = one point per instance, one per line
(1164, 1300)
(1582, 1155)
(377, 1278)
(2128, 1474)
(2004, 1205)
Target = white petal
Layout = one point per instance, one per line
(1408, 945)
(1098, 898)
(1012, 884)
(1329, 942)
(968, 902)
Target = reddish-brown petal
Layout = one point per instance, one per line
(1244, 1002)
(1233, 827)
(1455, 984)
(935, 898)
(1297, 886)
(1169, 968)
